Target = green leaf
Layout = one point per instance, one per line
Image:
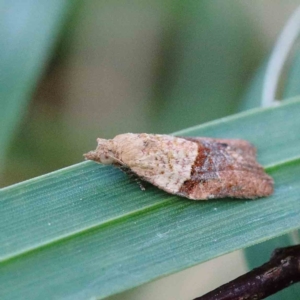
(253, 95)
(203, 65)
(88, 231)
(28, 30)
(261, 253)
(291, 87)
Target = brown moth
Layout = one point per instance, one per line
(197, 168)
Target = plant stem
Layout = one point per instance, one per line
(281, 271)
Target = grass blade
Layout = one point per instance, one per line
(28, 31)
(88, 231)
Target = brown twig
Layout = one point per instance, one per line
(281, 271)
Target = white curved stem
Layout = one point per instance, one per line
(278, 58)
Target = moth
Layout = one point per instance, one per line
(198, 168)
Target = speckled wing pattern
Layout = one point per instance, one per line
(197, 168)
(225, 168)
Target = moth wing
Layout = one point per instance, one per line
(222, 168)
(241, 146)
(170, 182)
(169, 165)
(229, 169)
(235, 184)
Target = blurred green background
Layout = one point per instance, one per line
(71, 71)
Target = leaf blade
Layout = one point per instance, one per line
(120, 237)
(28, 30)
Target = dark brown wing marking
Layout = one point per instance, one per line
(226, 168)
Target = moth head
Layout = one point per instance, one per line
(104, 152)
